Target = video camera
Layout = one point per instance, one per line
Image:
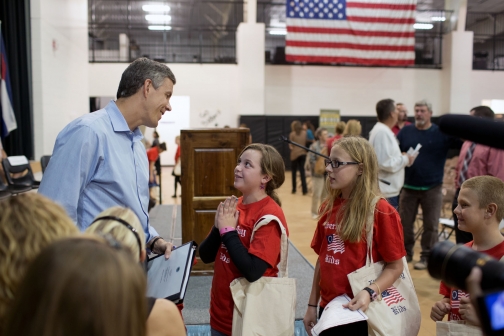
(453, 263)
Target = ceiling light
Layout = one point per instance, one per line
(159, 27)
(438, 18)
(158, 18)
(423, 26)
(278, 32)
(156, 8)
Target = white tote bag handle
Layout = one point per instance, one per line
(369, 232)
(283, 271)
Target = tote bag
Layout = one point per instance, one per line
(177, 170)
(398, 311)
(267, 306)
(456, 328)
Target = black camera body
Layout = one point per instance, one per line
(453, 264)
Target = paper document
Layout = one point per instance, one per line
(335, 315)
(167, 279)
(414, 152)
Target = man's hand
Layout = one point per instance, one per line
(310, 319)
(227, 215)
(439, 310)
(163, 247)
(468, 312)
(411, 159)
(360, 301)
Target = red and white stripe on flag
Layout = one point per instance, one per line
(363, 32)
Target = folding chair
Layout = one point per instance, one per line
(15, 165)
(446, 224)
(44, 161)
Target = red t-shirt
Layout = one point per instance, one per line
(338, 258)
(396, 128)
(331, 141)
(177, 154)
(456, 294)
(152, 154)
(266, 245)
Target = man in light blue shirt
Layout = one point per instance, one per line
(98, 159)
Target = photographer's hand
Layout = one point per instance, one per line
(468, 312)
(440, 309)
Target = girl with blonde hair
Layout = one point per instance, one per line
(123, 225)
(28, 223)
(339, 239)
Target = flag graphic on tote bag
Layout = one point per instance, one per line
(363, 32)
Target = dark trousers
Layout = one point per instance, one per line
(296, 165)
(394, 201)
(177, 180)
(353, 329)
(431, 202)
(461, 237)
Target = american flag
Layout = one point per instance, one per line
(335, 244)
(456, 296)
(364, 32)
(392, 296)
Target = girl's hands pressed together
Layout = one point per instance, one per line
(360, 301)
(227, 215)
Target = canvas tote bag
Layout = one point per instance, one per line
(267, 306)
(457, 328)
(398, 311)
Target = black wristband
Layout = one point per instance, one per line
(310, 305)
(154, 242)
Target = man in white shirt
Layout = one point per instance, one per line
(391, 161)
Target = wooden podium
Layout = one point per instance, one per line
(208, 157)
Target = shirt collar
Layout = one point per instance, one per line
(119, 124)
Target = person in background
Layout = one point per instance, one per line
(155, 143)
(339, 239)
(402, 119)
(476, 160)
(29, 223)
(153, 156)
(310, 130)
(163, 317)
(339, 128)
(259, 172)
(177, 162)
(423, 180)
(352, 128)
(391, 162)
(80, 287)
(98, 159)
(298, 155)
(318, 178)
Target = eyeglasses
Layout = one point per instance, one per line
(336, 164)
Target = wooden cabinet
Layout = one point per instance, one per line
(208, 157)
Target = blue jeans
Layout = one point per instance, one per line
(214, 332)
(394, 201)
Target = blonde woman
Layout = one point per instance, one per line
(28, 223)
(121, 223)
(353, 127)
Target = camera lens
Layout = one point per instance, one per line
(453, 263)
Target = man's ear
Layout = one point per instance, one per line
(491, 209)
(147, 86)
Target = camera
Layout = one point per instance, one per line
(453, 264)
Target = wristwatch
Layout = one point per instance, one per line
(373, 295)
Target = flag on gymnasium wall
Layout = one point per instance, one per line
(7, 117)
(362, 32)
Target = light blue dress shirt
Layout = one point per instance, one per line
(98, 163)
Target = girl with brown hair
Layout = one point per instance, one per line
(259, 172)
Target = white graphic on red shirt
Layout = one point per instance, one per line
(335, 244)
(241, 232)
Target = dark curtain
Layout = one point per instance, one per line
(15, 17)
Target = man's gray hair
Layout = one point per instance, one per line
(133, 78)
(424, 102)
